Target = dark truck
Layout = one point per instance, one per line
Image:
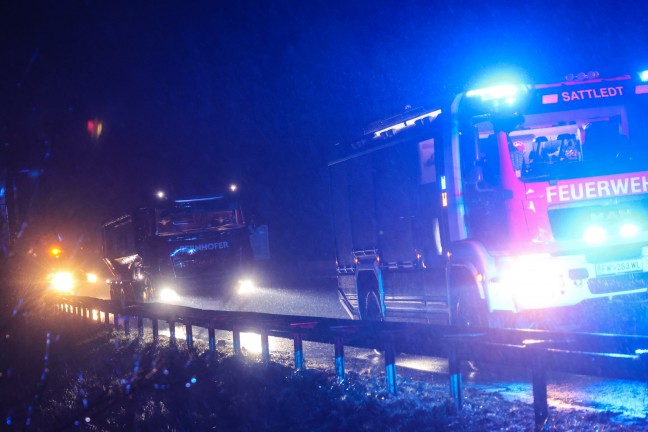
(195, 246)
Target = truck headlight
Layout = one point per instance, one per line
(246, 286)
(62, 281)
(531, 280)
(595, 235)
(168, 295)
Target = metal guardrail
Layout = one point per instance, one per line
(613, 356)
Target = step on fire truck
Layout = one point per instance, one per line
(180, 247)
(515, 199)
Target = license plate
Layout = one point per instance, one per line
(614, 267)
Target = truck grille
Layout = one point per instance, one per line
(205, 265)
(612, 284)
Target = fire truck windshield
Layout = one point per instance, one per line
(573, 143)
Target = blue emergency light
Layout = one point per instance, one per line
(643, 76)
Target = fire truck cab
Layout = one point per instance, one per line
(540, 193)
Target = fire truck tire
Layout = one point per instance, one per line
(368, 298)
(372, 309)
(122, 298)
(118, 295)
(145, 294)
(468, 308)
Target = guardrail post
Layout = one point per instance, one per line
(390, 368)
(156, 332)
(212, 338)
(454, 369)
(172, 334)
(265, 346)
(189, 332)
(299, 351)
(539, 378)
(339, 359)
(236, 341)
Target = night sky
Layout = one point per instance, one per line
(195, 95)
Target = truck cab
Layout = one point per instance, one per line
(551, 191)
(192, 246)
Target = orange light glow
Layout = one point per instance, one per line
(56, 252)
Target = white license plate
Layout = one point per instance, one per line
(614, 267)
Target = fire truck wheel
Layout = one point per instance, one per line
(146, 292)
(470, 310)
(118, 295)
(122, 298)
(372, 309)
(467, 306)
(145, 295)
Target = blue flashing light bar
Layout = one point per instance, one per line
(643, 76)
(497, 92)
(199, 199)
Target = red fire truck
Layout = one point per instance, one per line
(517, 198)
